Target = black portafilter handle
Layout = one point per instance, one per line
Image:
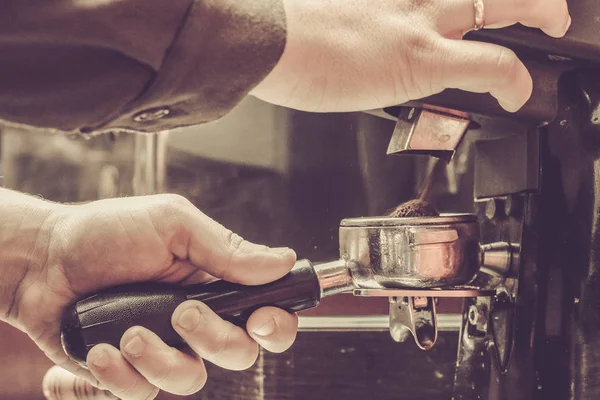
(104, 317)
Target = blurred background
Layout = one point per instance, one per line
(274, 176)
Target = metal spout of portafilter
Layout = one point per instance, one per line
(431, 130)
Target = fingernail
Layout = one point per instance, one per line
(189, 319)
(568, 24)
(102, 361)
(280, 250)
(267, 328)
(134, 347)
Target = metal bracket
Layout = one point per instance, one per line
(435, 131)
(416, 316)
(413, 312)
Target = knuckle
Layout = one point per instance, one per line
(418, 8)
(169, 209)
(423, 48)
(165, 372)
(523, 6)
(416, 5)
(171, 201)
(233, 245)
(220, 344)
(420, 41)
(508, 64)
(178, 200)
(234, 241)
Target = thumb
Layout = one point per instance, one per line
(224, 254)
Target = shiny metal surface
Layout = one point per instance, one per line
(445, 323)
(411, 252)
(428, 131)
(496, 258)
(334, 277)
(456, 292)
(418, 221)
(416, 317)
(478, 317)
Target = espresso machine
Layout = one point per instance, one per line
(532, 330)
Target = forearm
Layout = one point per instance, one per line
(142, 65)
(26, 225)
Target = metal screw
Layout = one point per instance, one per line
(478, 316)
(151, 115)
(421, 302)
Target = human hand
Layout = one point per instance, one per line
(158, 238)
(357, 55)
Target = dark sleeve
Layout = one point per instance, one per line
(142, 65)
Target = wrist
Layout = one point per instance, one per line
(27, 226)
(315, 38)
(280, 82)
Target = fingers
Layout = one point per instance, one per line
(214, 339)
(552, 16)
(273, 328)
(164, 367)
(145, 364)
(227, 345)
(116, 375)
(483, 67)
(59, 384)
